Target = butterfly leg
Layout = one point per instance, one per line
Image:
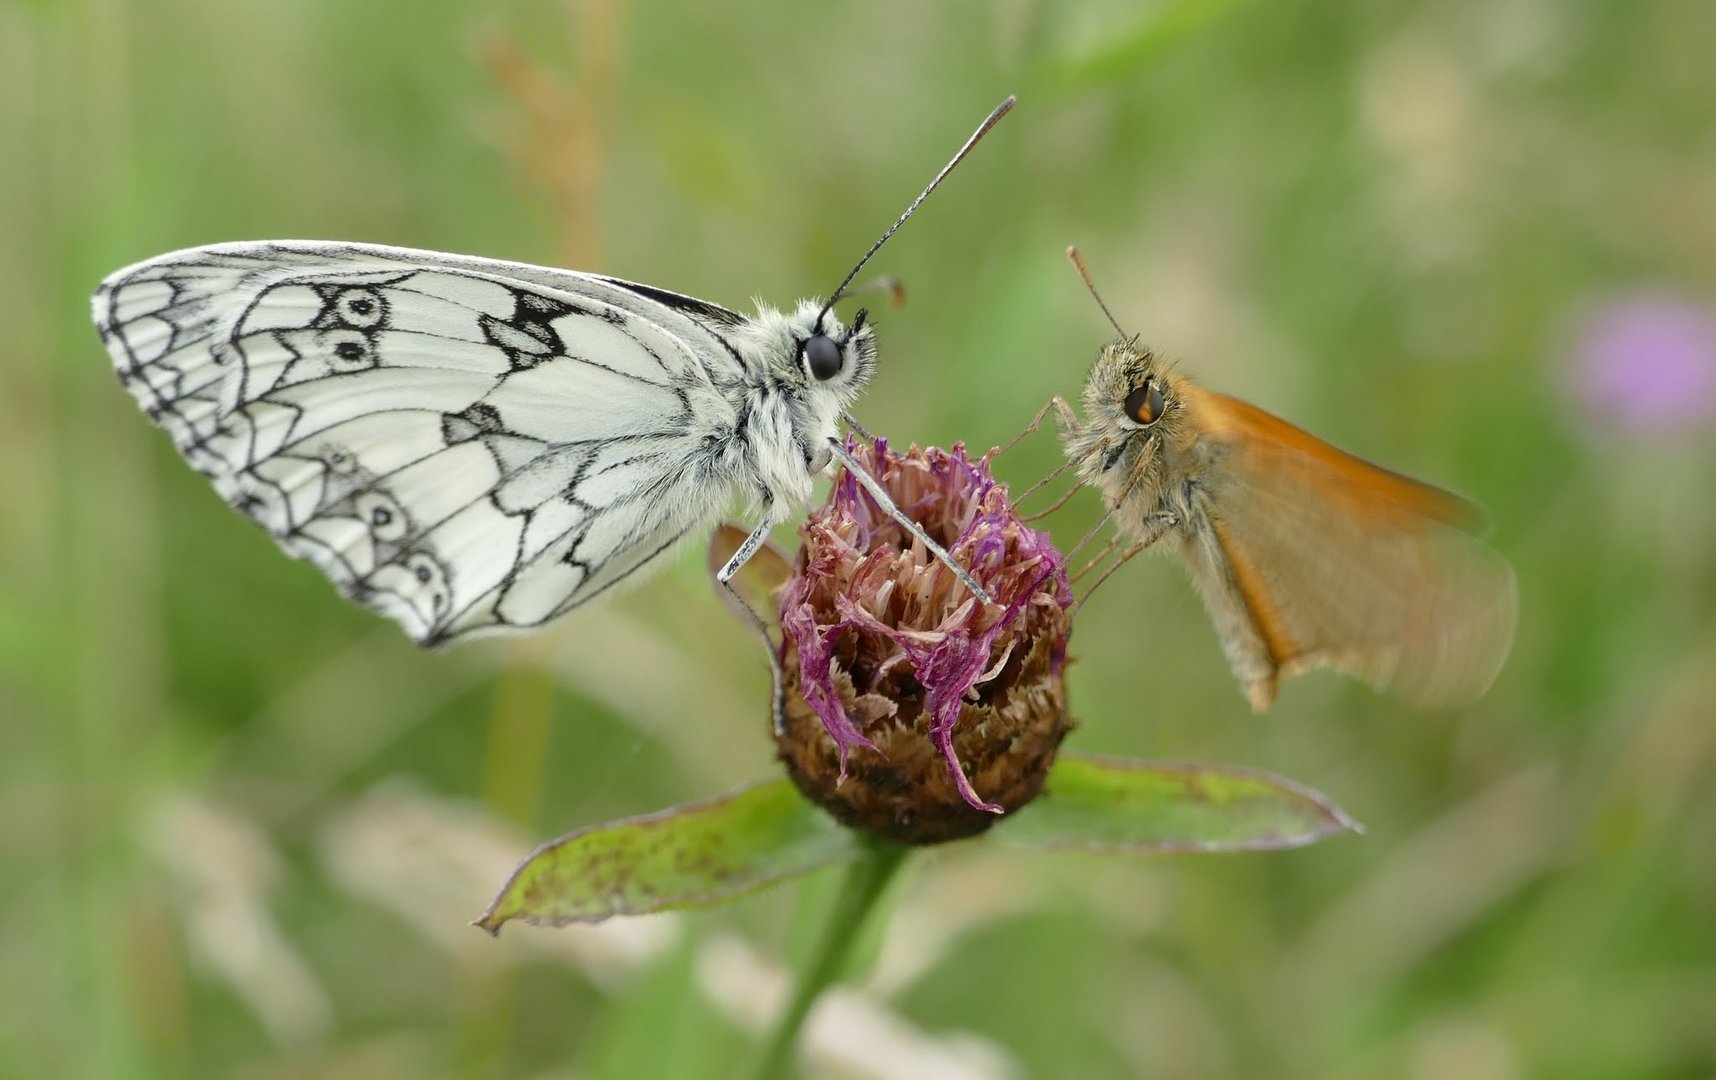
(1125, 557)
(868, 482)
(1063, 413)
(1096, 560)
(1068, 421)
(1154, 527)
(1089, 535)
(1058, 503)
(724, 578)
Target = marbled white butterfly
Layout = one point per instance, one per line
(466, 445)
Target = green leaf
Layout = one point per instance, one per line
(690, 856)
(1130, 807)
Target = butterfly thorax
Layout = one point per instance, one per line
(780, 418)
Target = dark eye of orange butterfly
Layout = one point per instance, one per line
(1144, 404)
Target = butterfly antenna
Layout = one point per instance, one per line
(982, 130)
(1084, 272)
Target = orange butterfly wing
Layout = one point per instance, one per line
(1313, 557)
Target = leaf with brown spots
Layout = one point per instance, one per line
(690, 856)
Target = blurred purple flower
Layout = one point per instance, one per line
(1645, 364)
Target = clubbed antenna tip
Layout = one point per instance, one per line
(1084, 272)
(982, 130)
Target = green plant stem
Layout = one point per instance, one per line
(865, 882)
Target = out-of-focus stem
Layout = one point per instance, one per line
(865, 882)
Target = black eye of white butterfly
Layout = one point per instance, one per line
(1144, 405)
(822, 357)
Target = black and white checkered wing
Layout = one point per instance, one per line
(460, 444)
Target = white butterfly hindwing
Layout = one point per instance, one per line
(459, 443)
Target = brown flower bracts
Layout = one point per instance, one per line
(914, 710)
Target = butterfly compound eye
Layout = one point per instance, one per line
(822, 357)
(1145, 404)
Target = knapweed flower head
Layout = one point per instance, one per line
(914, 710)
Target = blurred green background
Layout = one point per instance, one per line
(243, 825)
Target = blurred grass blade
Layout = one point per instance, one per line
(1098, 804)
(1121, 52)
(690, 856)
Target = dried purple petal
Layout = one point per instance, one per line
(914, 710)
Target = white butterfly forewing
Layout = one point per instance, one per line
(461, 444)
